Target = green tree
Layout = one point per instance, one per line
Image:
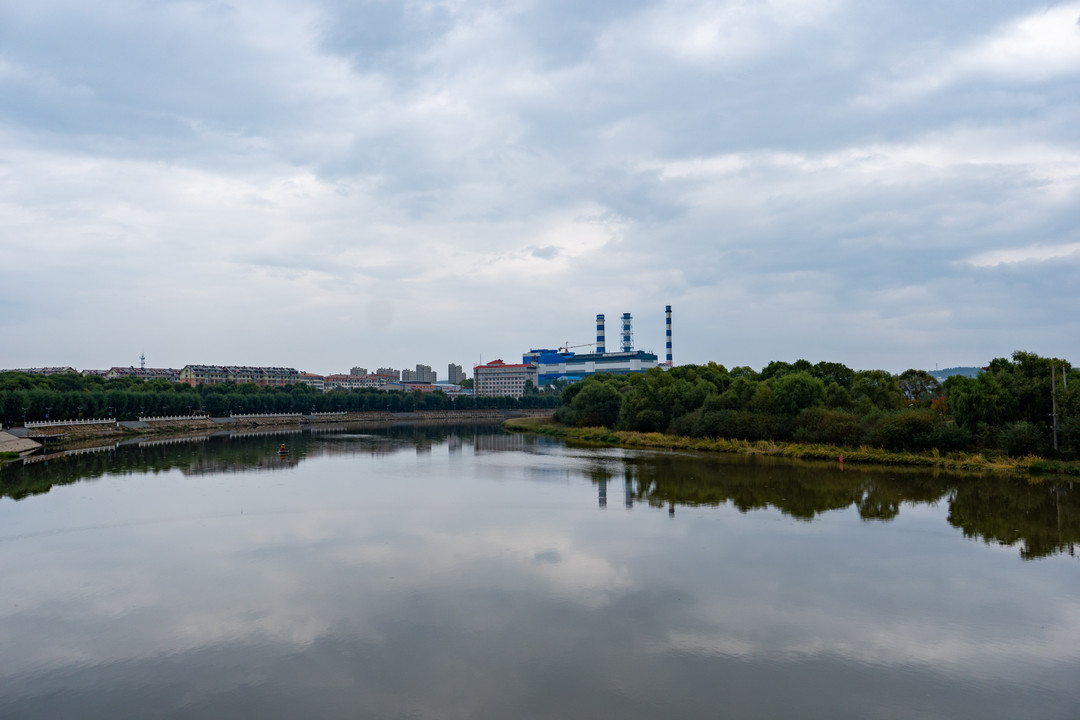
(877, 388)
(832, 372)
(598, 403)
(777, 368)
(919, 387)
(838, 397)
(978, 400)
(794, 392)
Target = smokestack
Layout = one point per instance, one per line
(627, 333)
(668, 311)
(600, 346)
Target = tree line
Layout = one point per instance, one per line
(70, 396)
(1007, 408)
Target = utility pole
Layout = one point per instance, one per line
(1053, 401)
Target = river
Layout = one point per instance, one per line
(469, 573)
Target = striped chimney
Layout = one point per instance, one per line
(668, 311)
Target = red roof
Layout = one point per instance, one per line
(501, 364)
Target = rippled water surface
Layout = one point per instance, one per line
(466, 573)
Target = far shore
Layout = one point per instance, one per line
(965, 462)
(83, 436)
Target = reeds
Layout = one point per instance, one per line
(795, 450)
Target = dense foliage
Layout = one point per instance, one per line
(1007, 408)
(71, 396)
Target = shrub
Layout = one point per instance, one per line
(834, 427)
(1069, 429)
(689, 425)
(1022, 438)
(949, 437)
(904, 430)
(598, 403)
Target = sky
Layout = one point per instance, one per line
(323, 184)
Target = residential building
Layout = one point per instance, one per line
(279, 376)
(316, 381)
(204, 374)
(170, 374)
(43, 370)
(454, 373)
(396, 374)
(343, 382)
(422, 374)
(217, 374)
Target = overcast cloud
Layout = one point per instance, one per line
(329, 184)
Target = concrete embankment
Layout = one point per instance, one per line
(16, 446)
(83, 433)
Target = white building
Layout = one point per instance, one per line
(498, 378)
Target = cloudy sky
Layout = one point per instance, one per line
(323, 183)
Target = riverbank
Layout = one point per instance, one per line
(75, 436)
(799, 451)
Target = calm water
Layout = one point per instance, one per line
(465, 573)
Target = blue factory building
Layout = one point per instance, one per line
(556, 365)
(562, 364)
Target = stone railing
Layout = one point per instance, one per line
(252, 416)
(59, 423)
(173, 418)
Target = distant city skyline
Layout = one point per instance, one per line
(422, 373)
(319, 185)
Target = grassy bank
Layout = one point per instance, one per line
(800, 451)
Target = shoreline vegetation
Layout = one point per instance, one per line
(1019, 414)
(933, 459)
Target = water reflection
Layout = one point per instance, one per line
(1041, 518)
(222, 452)
(458, 572)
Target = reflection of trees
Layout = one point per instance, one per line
(1043, 517)
(800, 491)
(224, 453)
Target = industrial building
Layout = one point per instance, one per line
(563, 364)
(554, 365)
